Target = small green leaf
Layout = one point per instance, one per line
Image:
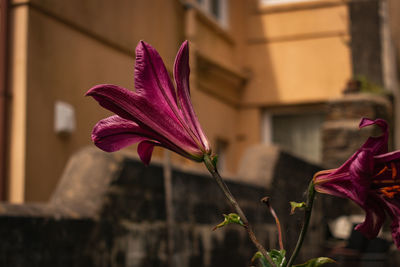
(277, 256)
(230, 218)
(316, 262)
(296, 205)
(261, 258)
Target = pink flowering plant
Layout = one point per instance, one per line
(371, 179)
(158, 114)
(154, 115)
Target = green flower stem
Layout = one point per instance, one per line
(307, 216)
(214, 172)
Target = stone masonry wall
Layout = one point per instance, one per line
(341, 136)
(109, 210)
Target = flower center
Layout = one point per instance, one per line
(386, 182)
(389, 191)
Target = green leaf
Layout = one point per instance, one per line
(230, 218)
(296, 205)
(316, 262)
(261, 258)
(277, 256)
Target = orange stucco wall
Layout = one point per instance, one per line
(305, 52)
(264, 57)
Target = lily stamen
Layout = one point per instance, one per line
(394, 170)
(390, 191)
(382, 171)
(386, 181)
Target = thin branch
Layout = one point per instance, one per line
(211, 168)
(266, 200)
(307, 216)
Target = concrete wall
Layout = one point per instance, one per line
(109, 210)
(341, 136)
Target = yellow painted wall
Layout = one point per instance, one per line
(297, 55)
(72, 46)
(264, 57)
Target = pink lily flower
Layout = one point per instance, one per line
(371, 178)
(156, 114)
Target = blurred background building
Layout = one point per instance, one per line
(262, 71)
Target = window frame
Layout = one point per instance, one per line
(268, 115)
(284, 2)
(206, 7)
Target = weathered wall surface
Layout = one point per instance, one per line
(341, 136)
(109, 210)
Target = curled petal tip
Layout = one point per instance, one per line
(145, 149)
(185, 44)
(367, 122)
(92, 91)
(142, 44)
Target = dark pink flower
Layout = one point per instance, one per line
(371, 178)
(156, 114)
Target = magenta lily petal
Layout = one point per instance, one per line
(349, 180)
(181, 74)
(145, 149)
(379, 144)
(150, 115)
(394, 211)
(371, 178)
(132, 106)
(374, 217)
(113, 133)
(152, 80)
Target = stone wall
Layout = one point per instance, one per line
(108, 210)
(341, 136)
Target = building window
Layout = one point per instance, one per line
(299, 134)
(216, 9)
(277, 2)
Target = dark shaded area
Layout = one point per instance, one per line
(126, 226)
(30, 241)
(291, 178)
(109, 211)
(366, 40)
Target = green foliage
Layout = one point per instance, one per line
(230, 218)
(367, 86)
(277, 256)
(316, 262)
(296, 205)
